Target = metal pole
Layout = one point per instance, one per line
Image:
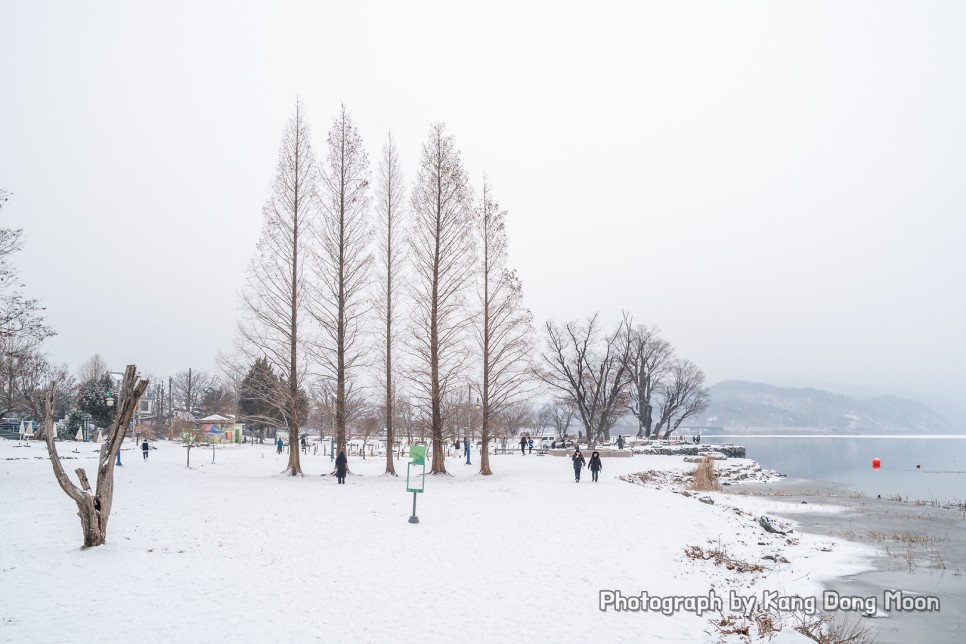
(414, 518)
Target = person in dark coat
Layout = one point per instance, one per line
(529, 445)
(523, 444)
(279, 444)
(620, 442)
(579, 462)
(144, 448)
(341, 465)
(595, 465)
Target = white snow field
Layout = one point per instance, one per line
(236, 552)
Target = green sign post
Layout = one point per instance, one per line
(416, 478)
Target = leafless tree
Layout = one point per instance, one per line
(37, 374)
(514, 417)
(21, 318)
(390, 199)
(94, 506)
(441, 249)
(276, 299)
(651, 358)
(590, 370)
(91, 369)
(684, 395)
(560, 412)
(343, 266)
(407, 414)
(24, 370)
(188, 388)
(368, 426)
(504, 330)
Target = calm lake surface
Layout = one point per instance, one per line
(848, 460)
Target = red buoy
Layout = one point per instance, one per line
(876, 463)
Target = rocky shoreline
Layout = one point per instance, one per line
(921, 546)
(690, 449)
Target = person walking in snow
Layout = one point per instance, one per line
(523, 444)
(620, 443)
(144, 448)
(595, 465)
(579, 462)
(530, 445)
(305, 445)
(279, 444)
(341, 464)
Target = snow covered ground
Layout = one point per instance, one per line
(235, 552)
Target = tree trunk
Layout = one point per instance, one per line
(94, 509)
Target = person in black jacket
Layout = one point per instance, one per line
(144, 448)
(341, 464)
(595, 465)
(579, 462)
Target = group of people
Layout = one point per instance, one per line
(526, 444)
(579, 462)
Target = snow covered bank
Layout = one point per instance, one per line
(235, 552)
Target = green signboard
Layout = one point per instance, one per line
(416, 469)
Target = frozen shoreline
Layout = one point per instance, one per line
(921, 551)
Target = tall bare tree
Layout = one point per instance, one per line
(441, 249)
(94, 506)
(505, 328)
(590, 370)
(277, 299)
(343, 267)
(684, 395)
(390, 199)
(651, 358)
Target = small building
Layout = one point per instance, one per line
(217, 428)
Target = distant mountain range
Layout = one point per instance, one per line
(736, 404)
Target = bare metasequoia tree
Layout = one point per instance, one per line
(277, 299)
(342, 267)
(94, 506)
(591, 371)
(441, 249)
(684, 396)
(390, 195)
(504, 328)
(650, 362)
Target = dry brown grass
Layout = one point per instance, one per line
(706, 477)
(825, 628)
(721, 558)
(833, 628)
(639, 477)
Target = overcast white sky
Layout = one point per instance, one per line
(779, 186)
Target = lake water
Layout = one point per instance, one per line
(848, 459)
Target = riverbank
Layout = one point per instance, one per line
(920, 545)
